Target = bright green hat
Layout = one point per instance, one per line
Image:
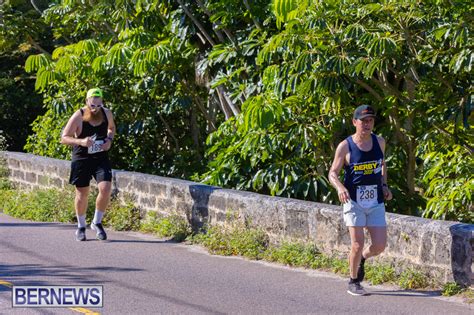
(94, 92)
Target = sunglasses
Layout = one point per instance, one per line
(94, 106)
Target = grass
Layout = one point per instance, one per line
(54, 205)
(174, 226)
(380, 273)
(238, 239)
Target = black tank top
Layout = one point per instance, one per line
(100, 132)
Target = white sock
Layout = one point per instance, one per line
(98, 216)
(81, 221)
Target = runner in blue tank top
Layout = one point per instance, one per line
(363, 192)
(90, 132)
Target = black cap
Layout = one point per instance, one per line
(364, 111)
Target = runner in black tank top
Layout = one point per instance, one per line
(99, 133)
(363, 192)
(90, 132)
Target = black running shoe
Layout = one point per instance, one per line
(361, 271)
(101, 235)
(356, 289)
(81, 234)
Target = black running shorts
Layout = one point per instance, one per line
(82, 171)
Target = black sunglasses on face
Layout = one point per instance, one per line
(94, 106)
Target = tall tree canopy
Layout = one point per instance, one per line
(272, 86)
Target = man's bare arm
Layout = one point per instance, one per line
(337, 164)
(68, 135)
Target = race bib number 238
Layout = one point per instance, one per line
(367, 196)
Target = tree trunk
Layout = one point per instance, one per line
(195, 134)
(233, 107)
(411, 154)
(201, 28)
(224, 107)
(170, 132)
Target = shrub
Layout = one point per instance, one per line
(293, 254)
(412, 279)
(452, 288)
(378, 274)
(174, 226)
(235, 239)
(122, 217)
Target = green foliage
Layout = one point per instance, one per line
(4, 182)
(452, 288)
(285, 75)
(410, 62)
(122, 217)
(413, 279)
(450, 183)
(294, 254)
(50, 205)
(55, 205)
(380, 273)
(174, 226)
(234, 240)
(274, 148)
(21, 33)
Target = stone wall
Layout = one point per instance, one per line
(441, 248)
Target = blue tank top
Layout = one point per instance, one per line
(363, 175)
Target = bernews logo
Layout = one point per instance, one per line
(57, 296)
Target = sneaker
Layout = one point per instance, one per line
(361, 272)
(81, 234)
(101, 235)
(356, 289)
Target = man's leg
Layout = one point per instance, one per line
(357, 245)
(378, 237)
(101, 203)
(103, 198)
(80, 203)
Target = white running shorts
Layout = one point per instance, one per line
(355, 215)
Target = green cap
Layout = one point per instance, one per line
(94, 92)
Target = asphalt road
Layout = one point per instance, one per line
(141, 274)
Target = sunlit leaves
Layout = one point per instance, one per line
(450, 183)
(382, 46)
(221, 53)
(44, 78)
(119, 54)
(36, 62)
(286, 10)
(260, 113)
(464, 60)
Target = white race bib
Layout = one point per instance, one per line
(96, 147)
(367, 196)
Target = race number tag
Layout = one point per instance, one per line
(367, 196)
(96, 147)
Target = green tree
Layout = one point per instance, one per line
(411, 62)
(272, 86)
(19, 103)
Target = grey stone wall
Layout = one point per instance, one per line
(441, 248)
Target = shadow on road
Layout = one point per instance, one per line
(138, 241)
(64, 274)
(37, 224)
(410, 293)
